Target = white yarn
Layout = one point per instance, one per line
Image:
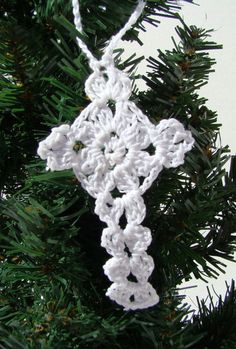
(110, 154)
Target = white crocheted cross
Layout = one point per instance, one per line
(116, 155)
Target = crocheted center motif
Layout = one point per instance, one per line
(116, 153)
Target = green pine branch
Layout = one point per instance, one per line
(52, 284)
(217, 321)
(193, 221)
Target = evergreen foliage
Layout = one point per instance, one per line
(52, 292)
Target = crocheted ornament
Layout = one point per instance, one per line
(116, 155)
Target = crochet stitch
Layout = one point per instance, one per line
(116, 155)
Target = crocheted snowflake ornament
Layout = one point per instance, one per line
(116, 155)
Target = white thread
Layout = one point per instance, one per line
(77, 21)
(116, 155)
(107, 56)
(132, 20)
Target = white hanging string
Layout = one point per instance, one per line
(93, 62)
(132, 20)
(78, 24)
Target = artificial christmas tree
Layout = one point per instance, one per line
(52, 281)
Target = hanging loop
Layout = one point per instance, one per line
(107, 59)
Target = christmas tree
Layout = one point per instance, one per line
(52, 281)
